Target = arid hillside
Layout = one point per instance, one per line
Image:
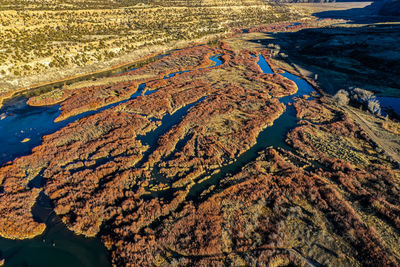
(50, 40)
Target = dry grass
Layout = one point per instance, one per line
(46, 42)
(391, 126)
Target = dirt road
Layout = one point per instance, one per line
(388, 142)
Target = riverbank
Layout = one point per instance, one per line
(57, 77)
(348, 55)
(205, 164)
(118, 65)
(55, 48)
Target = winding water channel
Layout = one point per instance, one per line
(18, 121)
(271, 136)
(60, 247)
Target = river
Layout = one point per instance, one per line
(60, 247)
(274, 135)
(57, 246)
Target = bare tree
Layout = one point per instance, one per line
(365, 98)
(374, 106)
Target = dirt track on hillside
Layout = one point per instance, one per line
(388, 142)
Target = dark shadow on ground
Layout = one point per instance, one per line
(364, 56)
(368, 14)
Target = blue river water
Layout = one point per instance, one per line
(60, 247)
(389, 104)
(264, 65)
(18, 121)
(304, 88)
(57, 246)
(274, 135)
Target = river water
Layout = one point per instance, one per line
(389, 104)
(274, 135)
(18, 121)
(57, 246)
(60, 247)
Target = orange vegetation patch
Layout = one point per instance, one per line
(95, 168)
(216, 131)
(284, 208)
(181, 60)
(79, 100)
(314, 112)
(248, 221)
(17, 201)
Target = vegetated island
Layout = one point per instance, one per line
(214, 164)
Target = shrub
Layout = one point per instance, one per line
(360, 95)
(374, 106)
(365, 98)
(341, 98)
